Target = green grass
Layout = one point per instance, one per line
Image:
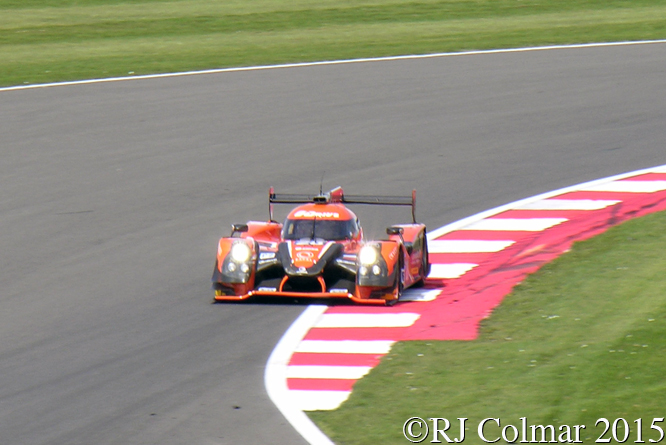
(53, 40)
(581, 339)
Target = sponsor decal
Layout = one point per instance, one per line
(304, 255)
(308, 242)
(311, 249)
(315, 214)
(267, 289)
(266, 255)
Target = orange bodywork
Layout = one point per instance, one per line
(268, 260)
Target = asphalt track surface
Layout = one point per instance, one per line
(113, 197)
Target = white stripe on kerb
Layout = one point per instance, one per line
(453, 270)
(327, 372)
(367, 320)
(515, 224)
(569, 204)
(467, 246)
(420, 294)
(345, 346)
(317, 400)
(629, 187)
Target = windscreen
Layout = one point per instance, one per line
(296, 229)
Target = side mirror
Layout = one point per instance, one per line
(394, 230)
(239, 228)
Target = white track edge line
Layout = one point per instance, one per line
(276, 382)
(328, 62)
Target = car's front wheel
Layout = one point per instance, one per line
(398, 285)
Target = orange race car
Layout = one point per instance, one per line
(319, 252)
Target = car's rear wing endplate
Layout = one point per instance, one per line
(337, 195)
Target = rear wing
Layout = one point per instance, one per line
(337, 195)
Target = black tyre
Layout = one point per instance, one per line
(398, 286)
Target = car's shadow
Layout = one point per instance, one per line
(289, 301)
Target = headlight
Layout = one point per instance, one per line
(368, 255)
(241, 252)
(372, 270)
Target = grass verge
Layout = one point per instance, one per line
(584, 338)
(47, 40)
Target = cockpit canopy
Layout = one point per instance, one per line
(327, 229)
(331, 222)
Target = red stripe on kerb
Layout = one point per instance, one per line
(314, 359)
(527, 214)
(617, 196)
(592, 195)
(321, 384)
(481, 235)
(355, 334)
(473, 258)
(648, 177)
